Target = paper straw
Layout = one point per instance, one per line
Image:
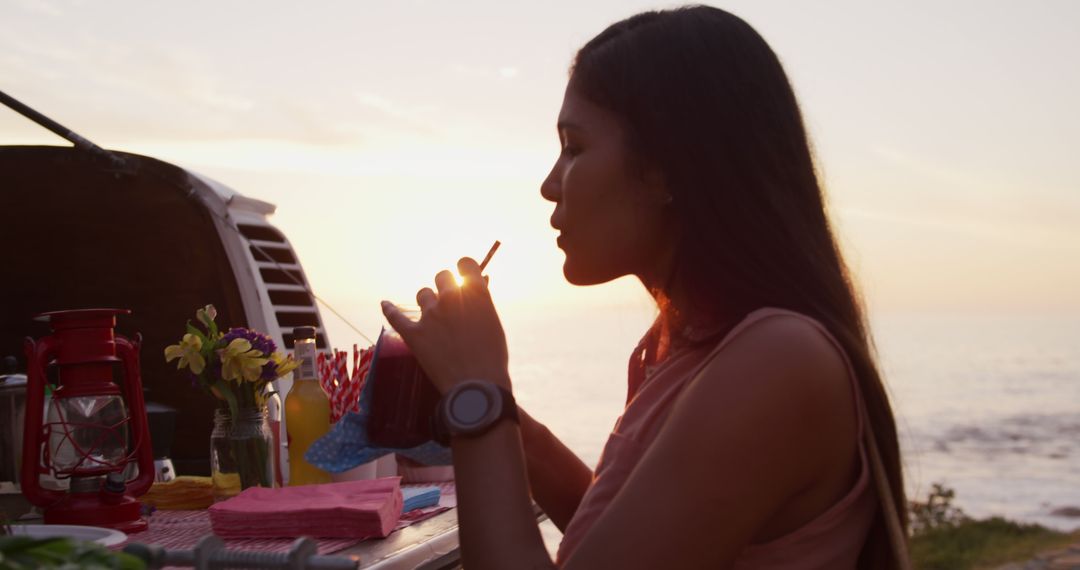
(341, 371)
(323, 371)
(490, 253)
(342, 388)
(360, 375)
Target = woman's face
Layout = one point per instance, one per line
(612, 216)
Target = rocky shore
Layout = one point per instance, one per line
(1067, 558)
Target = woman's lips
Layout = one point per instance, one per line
(561, 241)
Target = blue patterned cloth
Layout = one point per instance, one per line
(346, 445)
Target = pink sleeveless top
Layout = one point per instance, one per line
(831, 540)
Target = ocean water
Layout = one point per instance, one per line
(988, 405)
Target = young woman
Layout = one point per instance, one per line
(757, 433)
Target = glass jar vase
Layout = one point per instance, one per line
(242, 452)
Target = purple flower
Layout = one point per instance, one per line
(269, 371)
(259, 341)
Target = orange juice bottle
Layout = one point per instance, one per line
(307, 411)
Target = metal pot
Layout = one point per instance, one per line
(12, 412)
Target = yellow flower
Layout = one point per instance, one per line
(285, 364)
(240, 362)
(188, 351)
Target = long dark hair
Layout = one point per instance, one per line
(705, 102)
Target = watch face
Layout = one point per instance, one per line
(470, 407)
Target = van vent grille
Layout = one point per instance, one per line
(297, 319)
(282, 276)
(278, 254)
(261, 233)
(286, 286)
(291, 298)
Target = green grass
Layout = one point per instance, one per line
(972, 544)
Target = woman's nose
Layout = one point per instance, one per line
(551, 188)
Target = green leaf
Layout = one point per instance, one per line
(129, 561)
(18, 552)
(192, 329)
(22, 552)
(18, 543)
(230, 397)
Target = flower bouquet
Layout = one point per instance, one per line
(236, 367)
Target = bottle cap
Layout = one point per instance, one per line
(303, 332)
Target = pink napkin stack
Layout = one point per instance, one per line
(350, 509)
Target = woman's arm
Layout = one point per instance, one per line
(558, 478)
(497, 530)
(459, 337)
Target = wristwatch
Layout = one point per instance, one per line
(472, 408)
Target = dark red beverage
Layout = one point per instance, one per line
(403, 399)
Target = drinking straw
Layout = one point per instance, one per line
(490, 253)
(342, 388)
(361, 366)
(325, 378)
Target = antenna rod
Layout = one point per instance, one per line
(59, 129)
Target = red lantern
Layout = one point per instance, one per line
(88, 436)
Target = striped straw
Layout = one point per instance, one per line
(359, 377)
(323, 370)
(342, 388)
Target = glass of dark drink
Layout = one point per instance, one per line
(403, 399)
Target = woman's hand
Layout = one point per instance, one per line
(459, 336)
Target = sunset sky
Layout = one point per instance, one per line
(396, 137)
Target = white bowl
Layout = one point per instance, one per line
(100, 535)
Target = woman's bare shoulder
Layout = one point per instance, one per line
(778, 380)
(779, 351)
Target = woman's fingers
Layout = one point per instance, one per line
(468, 267)
(445, 282)
(470, 271)
(402, 324)
(427, 299)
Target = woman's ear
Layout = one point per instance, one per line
(650, 180)
(656, 187)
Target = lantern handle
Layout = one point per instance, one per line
(38, 354)
(128, 350)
